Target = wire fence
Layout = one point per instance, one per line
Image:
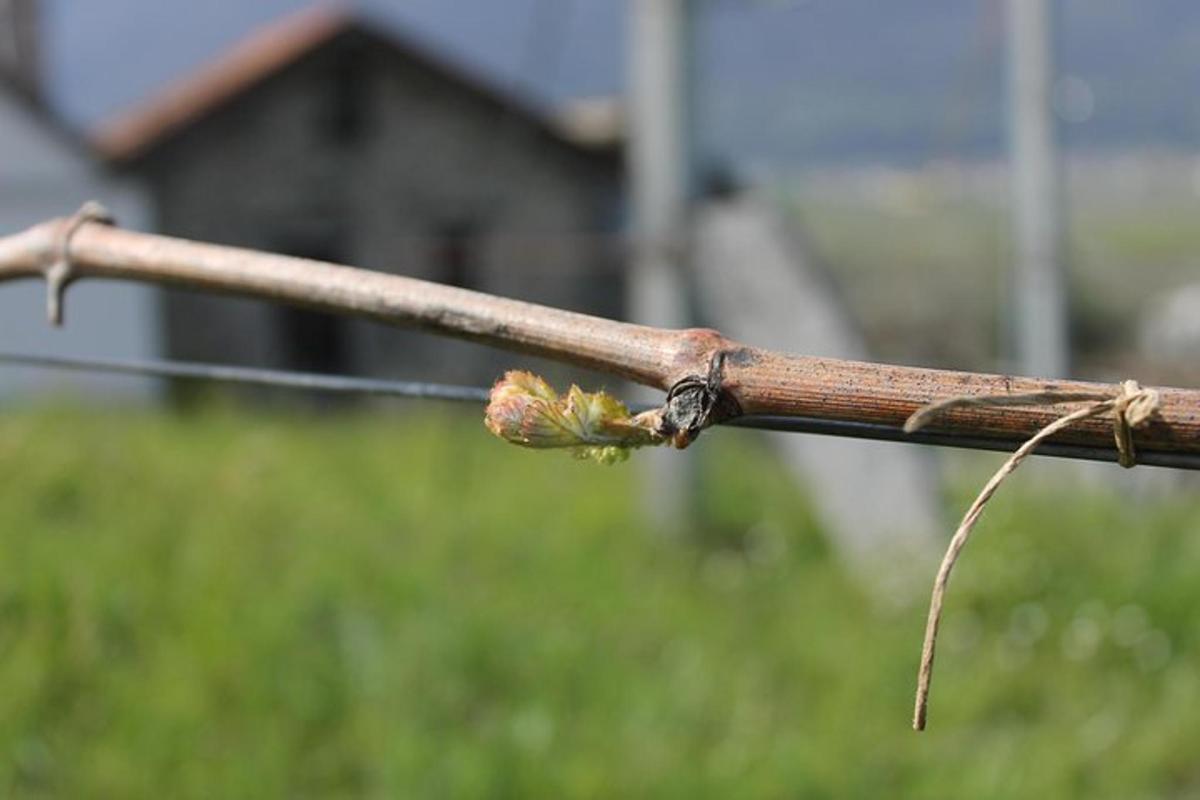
(422, 390)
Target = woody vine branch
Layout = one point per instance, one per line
(753, 380)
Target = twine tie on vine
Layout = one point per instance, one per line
(1132, 407)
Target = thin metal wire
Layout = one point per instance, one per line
(252, 376)
(340, 384)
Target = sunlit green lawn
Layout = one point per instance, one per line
(396, 605)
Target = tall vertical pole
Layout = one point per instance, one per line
(1041, 338)
(659, 158)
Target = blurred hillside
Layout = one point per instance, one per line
(922, 256)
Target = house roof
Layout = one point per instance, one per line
(267, 52)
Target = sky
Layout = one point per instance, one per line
(105, 56)
(779, 81)
(771, 73)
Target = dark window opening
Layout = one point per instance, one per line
(454, 254)
(347, 104)
(312, 341)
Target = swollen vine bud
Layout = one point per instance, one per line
(524, 410)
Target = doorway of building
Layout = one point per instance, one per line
(312, 341)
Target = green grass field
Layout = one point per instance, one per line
(222, 605)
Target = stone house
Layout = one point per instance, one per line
(324, 137)
(47, 171)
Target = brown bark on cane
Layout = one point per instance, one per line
(761, 381)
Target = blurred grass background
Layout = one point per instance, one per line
(396, 605)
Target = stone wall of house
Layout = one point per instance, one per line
(356, 154)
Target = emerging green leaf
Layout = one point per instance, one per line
(524, 410)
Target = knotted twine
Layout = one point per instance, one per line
(1132, 407)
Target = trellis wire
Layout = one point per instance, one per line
(344, 384)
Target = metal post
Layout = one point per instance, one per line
(659, 290)
(1041, 338)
